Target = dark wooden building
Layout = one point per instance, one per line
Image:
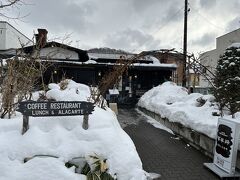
(89, 68)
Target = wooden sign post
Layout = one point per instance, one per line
(54, 108)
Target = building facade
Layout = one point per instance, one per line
(172, 57)
(210, 58)
(142, 73)
(10, 37)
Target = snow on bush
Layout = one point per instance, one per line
(65, 138)
(174, 103)
(227, 79)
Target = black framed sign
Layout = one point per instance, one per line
(54, 108)
(226, 145)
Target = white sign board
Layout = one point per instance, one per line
(226, 146)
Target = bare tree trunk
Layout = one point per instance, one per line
(9, 92)
(2, 72)
(194, 77)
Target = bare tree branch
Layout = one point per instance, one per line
(8, 3)
(208, 75)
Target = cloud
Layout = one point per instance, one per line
(143, 5)
(207, 3)
(60, 15)
(131, 40)
(205, 40)
(133, 24)
(155, 13)
(173, 14)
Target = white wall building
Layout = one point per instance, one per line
(210, 58)
(10, 37)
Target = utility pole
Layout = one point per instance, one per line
(184, 79)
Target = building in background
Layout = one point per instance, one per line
(11, 38)
(89, 67)
(143, 74)
(166, 56)
(210, 58)
(193, 78)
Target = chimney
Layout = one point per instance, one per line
(41, 38)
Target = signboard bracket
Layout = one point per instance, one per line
(85, 121)
(25, 126)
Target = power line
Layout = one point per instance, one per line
(206, 19)
(169, 20)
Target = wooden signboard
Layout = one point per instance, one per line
(53, 108)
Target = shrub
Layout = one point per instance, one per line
(227, 80)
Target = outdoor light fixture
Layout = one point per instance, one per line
(99, 73)
(55, 71)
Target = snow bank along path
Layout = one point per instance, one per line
(65, 138)
(174, 103)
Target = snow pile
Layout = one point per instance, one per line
(173, 102)
(65, 138)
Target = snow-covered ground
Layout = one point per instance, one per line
(174, 103)
(65, 138)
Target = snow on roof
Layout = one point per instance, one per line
(236, 45)
(153, 59)
(90, 62)
(157, 65)
(154, 65)
(109, 56)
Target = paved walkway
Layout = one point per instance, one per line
(164, 153)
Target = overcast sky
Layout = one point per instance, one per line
(131, 25)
